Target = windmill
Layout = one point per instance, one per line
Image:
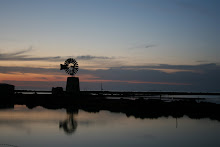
(71, 67)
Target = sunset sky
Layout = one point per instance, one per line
(138, 45)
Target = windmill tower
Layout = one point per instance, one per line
(71, 67)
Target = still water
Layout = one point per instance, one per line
(39, 127)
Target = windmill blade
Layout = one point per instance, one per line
(67, 62)
(70, 66)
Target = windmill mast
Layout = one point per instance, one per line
(101, 87)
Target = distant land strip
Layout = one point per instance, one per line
(127, 93)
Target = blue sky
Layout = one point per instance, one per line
(129, 36)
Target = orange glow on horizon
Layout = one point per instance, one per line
(30, 77)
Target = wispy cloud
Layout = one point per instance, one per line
(143, 46)
(149, 46)
(15, 55)
(22, 56)
(200, 68)
(89, 57)
(14, 69)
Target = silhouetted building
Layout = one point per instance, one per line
(57, 90)
(72, 85)
(6, 89)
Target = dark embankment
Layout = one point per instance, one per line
(138, 108)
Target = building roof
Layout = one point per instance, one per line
(5, 84)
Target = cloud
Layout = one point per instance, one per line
(14, 69)
(165, 68)
(22, 51)
(15, 55)
(149, 46)
(207, 79)
(20, 56)
(131, 77)
(143, 46)
(89, 57)
(42, 78)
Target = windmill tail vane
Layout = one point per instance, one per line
(70, 66)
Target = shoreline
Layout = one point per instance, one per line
(139, 108)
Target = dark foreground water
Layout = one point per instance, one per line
(39, 127)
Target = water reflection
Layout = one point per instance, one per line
(69, 125)
(39, 126)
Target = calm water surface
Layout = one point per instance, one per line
(39, 127)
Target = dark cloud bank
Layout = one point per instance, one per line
(206, 80)
(203, 77)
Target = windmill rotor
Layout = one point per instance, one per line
(70, 66)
